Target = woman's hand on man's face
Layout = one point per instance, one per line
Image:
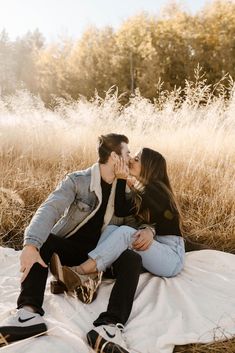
(144, 239)
(121, 169)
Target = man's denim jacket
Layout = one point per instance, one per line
(75, 200)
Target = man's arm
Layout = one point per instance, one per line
(43, 221)
(49, 213)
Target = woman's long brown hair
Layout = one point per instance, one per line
(153, 174)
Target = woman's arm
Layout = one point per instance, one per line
(123, 206)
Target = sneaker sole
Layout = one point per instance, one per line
(97, 343)
(15, 333)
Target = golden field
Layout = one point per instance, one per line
(196, 134)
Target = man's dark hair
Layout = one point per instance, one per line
(109, 143)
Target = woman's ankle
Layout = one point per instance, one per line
(78, 269)
(86, 267)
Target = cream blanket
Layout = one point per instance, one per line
(196, 306)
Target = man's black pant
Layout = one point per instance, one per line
(126, 270)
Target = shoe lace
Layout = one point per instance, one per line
(120, 328)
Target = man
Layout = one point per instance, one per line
(70, 223)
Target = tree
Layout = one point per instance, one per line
(91, 64)
(7, 76)
(26, 51)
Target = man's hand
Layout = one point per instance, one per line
(28, 257)
(144, 239)
(121, 169)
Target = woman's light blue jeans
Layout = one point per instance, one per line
(165, 257)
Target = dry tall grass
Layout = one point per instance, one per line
(197, 136)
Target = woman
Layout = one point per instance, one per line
(153, 204)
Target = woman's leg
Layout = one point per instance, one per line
(106, 233)
(110, 248)
(89, 266)
(165, 257)
(114, 237)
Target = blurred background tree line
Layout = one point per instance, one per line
(145, 52)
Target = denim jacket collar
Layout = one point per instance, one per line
(95, 177)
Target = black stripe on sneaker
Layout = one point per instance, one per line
(15, 333)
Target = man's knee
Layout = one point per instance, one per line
(49, 241)
(130, 259)
(47, 248)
